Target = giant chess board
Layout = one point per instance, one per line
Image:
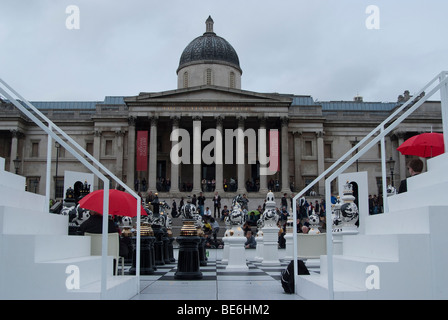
(216, 270)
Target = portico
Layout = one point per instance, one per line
(204, 114)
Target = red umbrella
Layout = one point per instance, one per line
(423, 145)
(120, 203)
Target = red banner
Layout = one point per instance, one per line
(142, 150)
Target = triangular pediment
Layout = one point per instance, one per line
(209, 94)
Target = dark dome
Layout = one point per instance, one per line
(209, 48)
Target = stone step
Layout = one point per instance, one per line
(14, 220)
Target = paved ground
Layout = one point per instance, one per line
(258, 282)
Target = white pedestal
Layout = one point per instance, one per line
(337, 237)
(289, 246)
(225, 251)
(237, 254)
(270, 246)
(259, 249)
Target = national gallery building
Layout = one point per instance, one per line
(132, 135)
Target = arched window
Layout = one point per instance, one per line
(232, 79)
(209, 76)
(185, 79)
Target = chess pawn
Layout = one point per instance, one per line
(314, 223)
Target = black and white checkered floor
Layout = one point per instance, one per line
(215, 269)
(217, 282)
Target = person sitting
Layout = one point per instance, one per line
(251, 243)
(207, 214)
(224, 213)
(95, 224)
(207, 227)
(415, 167)
(215, 228)
(246, 227)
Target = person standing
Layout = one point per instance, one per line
(156, 204)
(174, 209)
(201, 202)
(217, 205)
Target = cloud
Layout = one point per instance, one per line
(300, 47)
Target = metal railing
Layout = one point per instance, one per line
(438, 83)
(75, 149)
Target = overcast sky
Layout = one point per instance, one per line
(321, 48)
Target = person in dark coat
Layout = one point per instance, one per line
(95, 224)
(156, 204)
(415, 167)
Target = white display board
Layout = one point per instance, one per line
(361, 180)
(72, 177)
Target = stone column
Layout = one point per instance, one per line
(240, 157)
(401, 157)
(197, 154)
(152, 165)
(320, 161)
(14, 150)
(297, 160)
(174, 165)
(285, 156)
(263, 145)
(119, 152)
(219, 155)
(96, 154)
(130, 174)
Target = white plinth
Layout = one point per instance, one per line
(270, 246)
(289, 246)
(338, 233)
(225, 250)
(237, 254)
(259, 249)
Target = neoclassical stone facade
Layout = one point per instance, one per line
(311, 135)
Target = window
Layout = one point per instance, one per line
(232, 79)
(32, 184)
(185, 79)
(59, 187)
(108, 151)
(209, 76)
(308, 148)
(327, 150)
(89, 147)
(35, 149)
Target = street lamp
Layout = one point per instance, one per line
(392, 165)
(17, 162)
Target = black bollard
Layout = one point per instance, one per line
(158, 245)
(188, 260)
(147, 263)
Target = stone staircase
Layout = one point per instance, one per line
(401, 254)
(35, 251)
